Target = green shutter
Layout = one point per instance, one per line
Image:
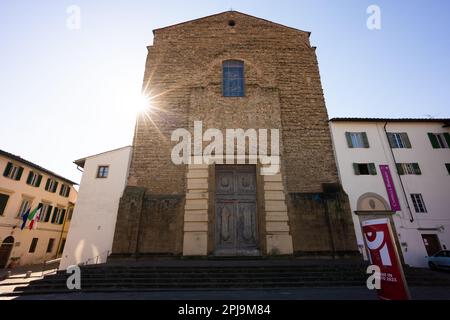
(365, 140)
(55, 187)
(434, 141)
(447, 138)
(391, 139)
(405, 140)
(47, 185)
(39, 180)
(417, 169)
(349, 139)
(356, 169)
(372, 169)
(400, 169)
(19, 174)
(30, 177)
(8, 169)
(48, 214)
(68, 192)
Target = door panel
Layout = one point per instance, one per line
(236, 223)
(432, 244)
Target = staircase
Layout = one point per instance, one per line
(133, 276)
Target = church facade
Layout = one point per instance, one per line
(225, 72)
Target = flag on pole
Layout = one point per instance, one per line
(34, 217)
(25, 218)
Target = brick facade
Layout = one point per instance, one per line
(283, 91)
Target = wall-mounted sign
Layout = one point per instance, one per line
(390, 188)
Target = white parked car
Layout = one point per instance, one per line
(440, 260)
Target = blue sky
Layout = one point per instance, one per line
(65, 94)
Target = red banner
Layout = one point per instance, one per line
(383, 253)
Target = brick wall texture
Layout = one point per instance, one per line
(183, 75)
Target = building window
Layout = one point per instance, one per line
(3, 202)
(447, 165)
(33, 245)
(357, 140)
(102, 172)
(44, 209)
(408, 169)
(50, 245)
(58, 216)
(440, 140)
(419, 204)
(65, 190)
(399, 140)
(51, 185)
(365, 169)
(233, 79)
(24, 207)
(69, 214)
(61, 248)
(34, 179)
(13, 171)
(47, 213)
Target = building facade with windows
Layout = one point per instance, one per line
(93, 224)
(25, 186)
(233, 71)
(417, 155)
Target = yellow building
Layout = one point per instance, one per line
(25, 186)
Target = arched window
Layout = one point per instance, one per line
(233, 78)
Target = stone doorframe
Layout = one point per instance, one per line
(273, 219)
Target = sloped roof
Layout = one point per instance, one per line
(227, 13)
(81, 162)
(35, 166)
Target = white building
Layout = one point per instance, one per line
(417, 153)
(92, 228)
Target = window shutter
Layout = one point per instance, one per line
(68, 192)
(3, 201)
(348, 136)
(61, 190)
(365, 140)
(391, 139)
(372, 169)
(39, 180)
(19, 174)
(406, 141)
(434, 141)
(400, 169)
(417, 169)
(47, 185)
(55, 187)
(447, 138)
(63, 215)
(356, 169)
(30, 177)
(8, 169)
(48, 214)
(448, 167)
(55, 212)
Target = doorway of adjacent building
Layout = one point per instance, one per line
(5, 251)
(236, 227)
(432, 244)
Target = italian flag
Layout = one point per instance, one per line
(34, 217)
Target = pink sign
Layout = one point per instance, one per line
(390, 188)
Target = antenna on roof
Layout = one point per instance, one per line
(231, 9)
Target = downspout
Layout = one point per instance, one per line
(398, 174)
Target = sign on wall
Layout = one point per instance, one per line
(390, 188)
(383, 253)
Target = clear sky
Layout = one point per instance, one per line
(66, 94)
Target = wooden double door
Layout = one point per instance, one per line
(236, 224)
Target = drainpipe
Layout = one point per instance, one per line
(398, 174)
